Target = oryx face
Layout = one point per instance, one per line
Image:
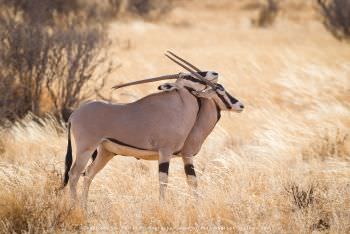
(227, 100)
(222, 98)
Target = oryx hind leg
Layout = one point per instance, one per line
(102, 158)
(79, 165)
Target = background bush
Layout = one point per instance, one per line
(47, 58)
(144, 8)
(336, 17)
(267, 14)
(50, 51)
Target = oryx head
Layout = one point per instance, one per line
(222, 98)
(187, 80)
(212, 90)
(202, 84)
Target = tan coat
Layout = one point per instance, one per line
(158, 121)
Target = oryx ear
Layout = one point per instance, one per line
(167, 87)
(212, 76)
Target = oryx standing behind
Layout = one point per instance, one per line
(156, 127)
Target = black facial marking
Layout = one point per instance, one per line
(189, 170)
(232, 99)
(215, 73)
(203, 73)
(94, 155)
(220, 87)
(195, 80)
(228, 106)
(164, 167)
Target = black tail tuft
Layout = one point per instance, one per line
(69, 159)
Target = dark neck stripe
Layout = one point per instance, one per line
(199, 104)
(197, 98)
(218, 112)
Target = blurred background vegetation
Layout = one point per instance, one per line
(50, 49)
(281, 165)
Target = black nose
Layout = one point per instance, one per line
(215, 73)
(241, 106)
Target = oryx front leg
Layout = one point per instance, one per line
(163, 162)
(102, 158)
(190, 172)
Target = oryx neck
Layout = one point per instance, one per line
(191, 90)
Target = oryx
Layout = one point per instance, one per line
(156, 127)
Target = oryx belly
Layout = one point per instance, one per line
(129, 151)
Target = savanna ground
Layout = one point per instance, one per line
(280, 166)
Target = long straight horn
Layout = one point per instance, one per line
(166, 77)
(184, 61)
(196, 74)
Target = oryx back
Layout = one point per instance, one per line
(158, 121)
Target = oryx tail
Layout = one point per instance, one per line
(69, 159)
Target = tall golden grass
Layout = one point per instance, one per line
(280, 166)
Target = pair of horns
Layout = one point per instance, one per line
(181, 62)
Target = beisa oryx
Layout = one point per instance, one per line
(174, 122)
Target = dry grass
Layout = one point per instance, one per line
(280, 166)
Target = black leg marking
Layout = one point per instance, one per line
(189, 170)
(94, 155)
(164, 167)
